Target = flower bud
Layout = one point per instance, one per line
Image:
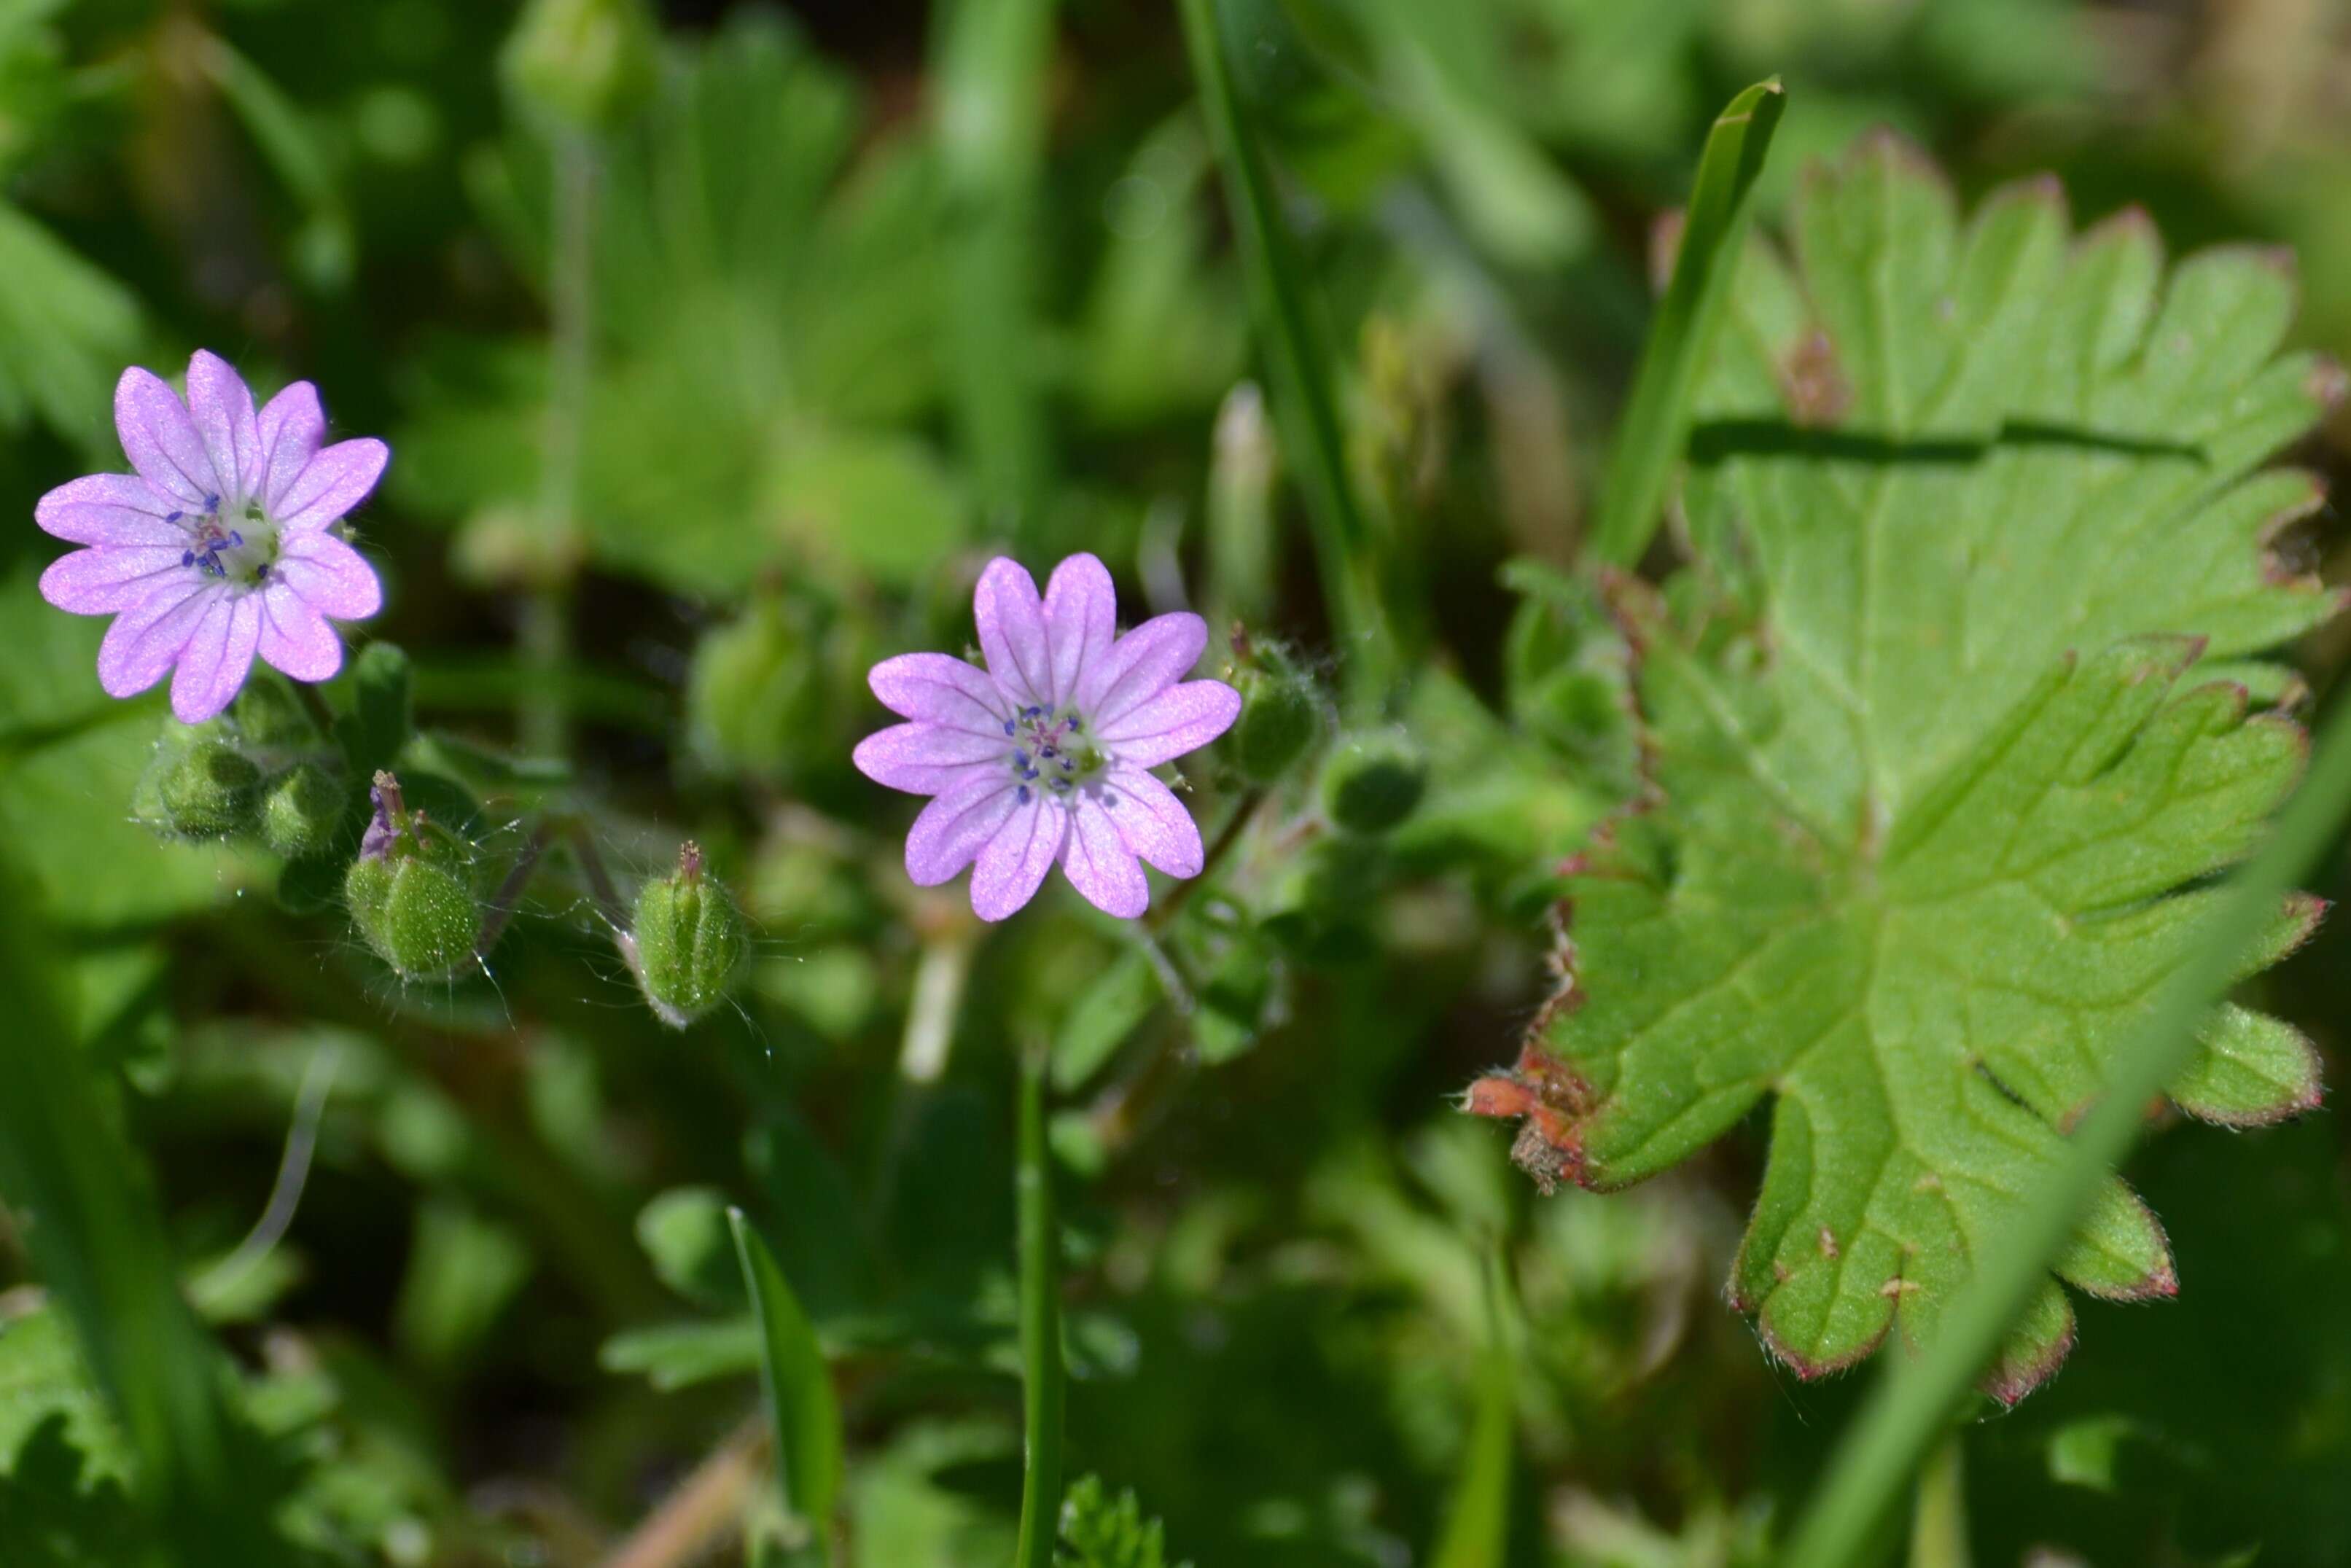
(1281, 717)
(301, 810)
(267, 713)
(690, 941)
(584, 64)
(755, 693)
(411, 892)
(1374, 781)
(200, 786)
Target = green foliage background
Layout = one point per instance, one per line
(873, 293)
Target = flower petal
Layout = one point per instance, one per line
(335, 577)
(1142, 664)
(951, 829)
(100, 581)
(1012, 863)
(218, 657)
(928, 760)
(1151, 822)
(148, 636)
(1080, 622)
(110, 510)
(292, 427)
(1012, 632)
(940, 690)
(1100, 866)
(161, 440)
(1172, 723)
(297, 638)
(221, 407)
(336, 479)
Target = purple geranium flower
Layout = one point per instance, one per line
(1042, 755)
(224, 544)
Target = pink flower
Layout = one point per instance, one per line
(224, 544)
(1042, 755)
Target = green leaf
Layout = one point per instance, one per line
(799, 1387)
(1932, 774)
(1102, 1531)
(65, 330)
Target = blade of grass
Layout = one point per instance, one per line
(87, 1215)
(1477, 1520)
(799, 1388)
(1299, 360)
(1656, 420)
(990, 60)
(1907, 1410)
(1041, 1330)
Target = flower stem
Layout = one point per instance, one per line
(504, 902)
(1227, 837)
(608, 902)
(1042, 1392)
(543, 633)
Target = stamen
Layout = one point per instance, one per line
(1007, 726)
(175, 517)
(1024, 794)
(1073, 726)
(187, 557)
(212, 503)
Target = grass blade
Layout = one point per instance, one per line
(1299, 358)
(89, 1218)
(1041, 1391)
(1906, 1411)
(799, 1388)
(1478, 1519)
(1656, 420)
(991, 58)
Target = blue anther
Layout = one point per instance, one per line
(237, 538)
(212, 503)
(1024, 794)
(1073, 726)
(1019, 758)
(1068, 765)
(1007, 726)
(175, 517)
(1044, 751)
(187, 557)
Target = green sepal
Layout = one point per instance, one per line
(691, 939)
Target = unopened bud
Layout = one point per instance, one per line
(585, 65)
(301, 810)
(267, 713)
(755, 692)
(1374, 781)
(690, 940)
(411, 892)
(201, 787)
(1281, 717)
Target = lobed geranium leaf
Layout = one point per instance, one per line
(1934, 773)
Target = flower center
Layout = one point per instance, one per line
(237, 548)
(1050, 750)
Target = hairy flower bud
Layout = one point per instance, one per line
(300, 811)
(690, 940)
(411, 892)
(1374, 781)
(200, 786)
(585, 65)
(1281, 717)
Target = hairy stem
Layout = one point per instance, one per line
(508, 896)
(1042, 1392)
(1939, 1529)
